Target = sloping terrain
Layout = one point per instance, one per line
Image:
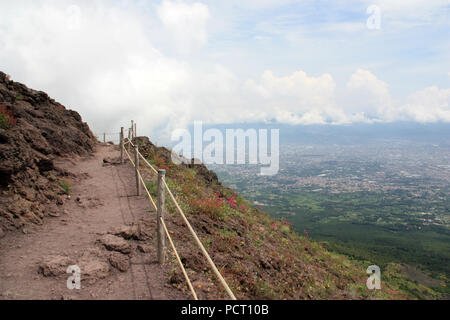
(34, 130)
(51, 166)
(261, 258)
(103, 229)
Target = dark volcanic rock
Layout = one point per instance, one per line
(38, 129)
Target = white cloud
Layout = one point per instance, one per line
(370, 95)
(186, 23)
(428, 105)
(374, 100)
(261, 4)
(344, 27)
(107, 69)
(297, 98)
(102, 62)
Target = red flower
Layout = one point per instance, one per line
(232, 202)
(305, 232)
(243, 208)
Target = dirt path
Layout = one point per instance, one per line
(103, 200)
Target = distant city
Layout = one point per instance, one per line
(387, 200)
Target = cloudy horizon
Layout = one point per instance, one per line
(167, 63)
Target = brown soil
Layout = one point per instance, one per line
(102, 202)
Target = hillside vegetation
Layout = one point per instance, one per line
(261, 258)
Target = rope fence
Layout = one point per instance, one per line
(103, 136)
(159, 207)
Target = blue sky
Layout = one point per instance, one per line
(167, 63)
(331, 36)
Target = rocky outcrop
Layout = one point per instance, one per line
(34, 130)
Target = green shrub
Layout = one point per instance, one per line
(211, 207)
(152, 187)
(7, 120)
(285, 229)
(4, 121)
(66, 186)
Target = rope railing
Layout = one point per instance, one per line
(191, 288)
(148, 193)
(129, 157)
(138, 156)
(129, 141)
(148, 164)
(199, 243)
(104, 135)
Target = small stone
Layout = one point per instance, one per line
(59, 201)
(119, 261)
(127, 232)
(53, 266)
(53, 214)
(144, 248)
(115, 243)
(94, 269)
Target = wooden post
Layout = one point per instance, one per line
(121, 146)
(132, 129)
(136, 169)
(104, 138)
(129, 139)
(160, 215)
(135, 134)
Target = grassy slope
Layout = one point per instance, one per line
(261, 258)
